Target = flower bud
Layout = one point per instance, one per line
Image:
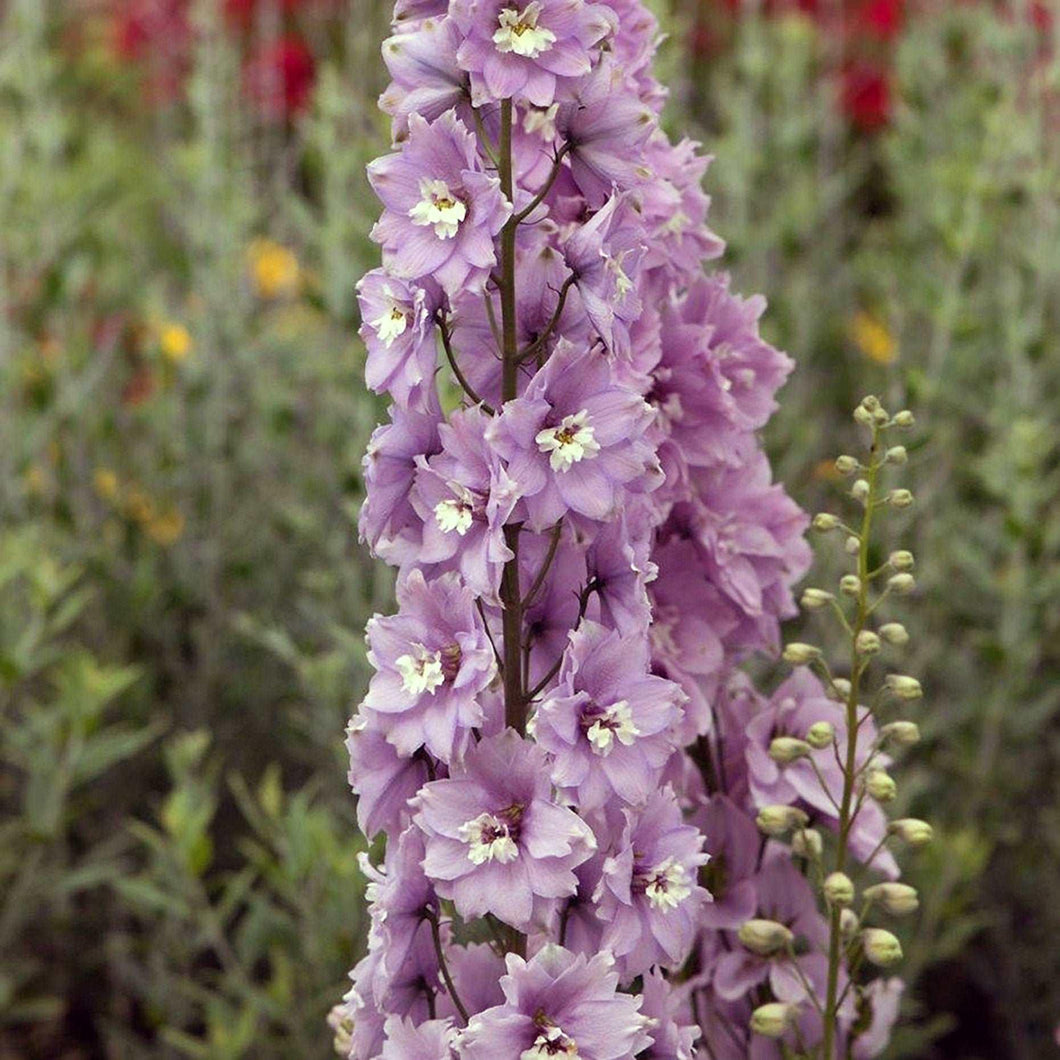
(904, 419)
(881, 786)
(860, 490)
(912, 830)
(786, 749)
(846, 465)
(820, 735)
(825, 521)
(852, 546)
(900, 733)
(850, 585)
(777, 821)
(839, 889)
(807, 843)
(894, 633)
(848, 923)
(799, 654)
(815, 599)
(863, 416)
(901, 560)
(900, 498)
(772, 1020)
(881, 417)
(870, 402)
(898, 899)
(867, 642)
(901, 584)
(840, 689)
(765, 937)
(903, 686)
(881, 947)
(897, 455)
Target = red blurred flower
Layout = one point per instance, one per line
(279, 77)
(155, 34)
(881, 19)
(865, 95)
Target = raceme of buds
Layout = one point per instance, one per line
(839, 889)
(588, 545)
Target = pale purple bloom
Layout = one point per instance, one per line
(398, 332)
(496, 842)
(607, 724)
(673, 1038)
(433, 1040)
(882, 998)
(574, 439)
(649, 896)
(432, 659)
(442, 209)
(734, 843)
(528, 49)
(464, 497)
(559, 1005)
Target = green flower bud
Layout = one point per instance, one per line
(765, 937)
(901, 560)
(867, 642)
(839, 889)
(787, 749)
(897, 455)
(870, 402)
(807, 843)
(846, 465)
(777, 821)
(852, 546)
(881, 947)
(904, 419)
(881, 786)
(881, 417)
(815, 599)
(912, 830)
(894, 633)
(820, 735)
(903, 686)
(840, 689)
(848, 923)
(897, 899)
(824, 521)
(900, 733)
(799, 654)
(850, 585)
(773, 1019)
(901, 584)
(860, 490)
(900, 498)
(863, 416)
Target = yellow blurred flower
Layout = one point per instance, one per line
(175, 342)
(36, 480)
(165, 529)
(105, 482)
(273, 268)
(825, 471)
(139, 506)
(872, 337)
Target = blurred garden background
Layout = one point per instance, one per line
(183, 218)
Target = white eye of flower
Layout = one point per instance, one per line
(421, 671)
(668, 885)
(542, 120)
(439, 207)
(616, 722)
(571, 441)
(391, 325)
(550, 1043)
(623, 284)
(519, 32)
(487, 838)
(453, 514)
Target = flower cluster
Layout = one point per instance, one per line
(557, 742)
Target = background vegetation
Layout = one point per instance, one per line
(182, 220)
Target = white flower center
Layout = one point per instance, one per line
(391, 325)
(488, 837)
(454, 513)
(668, 885)
(550, 1043)
(616, 722)
(571, 441)
(438, 207)
(519, 32)
(542, 120)
(623, 284)
(421, 671)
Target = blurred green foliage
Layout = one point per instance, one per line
(181, 424)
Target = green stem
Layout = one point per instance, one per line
(846, 818)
